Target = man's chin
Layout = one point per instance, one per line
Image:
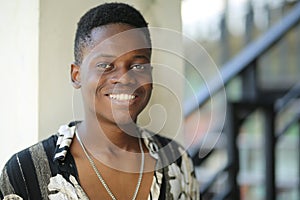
(127, 122)
(128, 126)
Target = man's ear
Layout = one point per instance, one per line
(75, 76)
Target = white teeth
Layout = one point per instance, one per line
(122, 97)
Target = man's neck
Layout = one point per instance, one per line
(108, 137)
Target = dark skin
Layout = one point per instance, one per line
(115, 79)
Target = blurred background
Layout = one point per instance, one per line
(242, 132)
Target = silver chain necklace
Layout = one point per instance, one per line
(101, 178)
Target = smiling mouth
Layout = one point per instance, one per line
(122, 97)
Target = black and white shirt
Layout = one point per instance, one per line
(47, 170)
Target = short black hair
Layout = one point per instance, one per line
(104, 14)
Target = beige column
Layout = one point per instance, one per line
(165, 107)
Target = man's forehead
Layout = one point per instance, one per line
(116, 40)
(118, 33)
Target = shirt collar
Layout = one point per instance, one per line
(66, 134)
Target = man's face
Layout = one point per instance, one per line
(115, 75)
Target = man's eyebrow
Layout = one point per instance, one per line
(106, 55)
(142, 57)
(138, 56)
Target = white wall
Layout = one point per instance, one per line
(18, 75)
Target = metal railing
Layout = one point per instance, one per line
(244, 65)
(246, 58)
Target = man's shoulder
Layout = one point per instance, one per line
(25, 170)
(168, 149)
(42, 148)
(163, 141)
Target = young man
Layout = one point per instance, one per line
(105, 156)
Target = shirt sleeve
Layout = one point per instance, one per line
(192, 184)
(182, 182)
(10, 180)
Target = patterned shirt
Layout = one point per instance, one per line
(47, 170)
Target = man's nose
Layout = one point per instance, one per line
(123, 75)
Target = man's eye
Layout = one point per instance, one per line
(104, 66)
(141, 67)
